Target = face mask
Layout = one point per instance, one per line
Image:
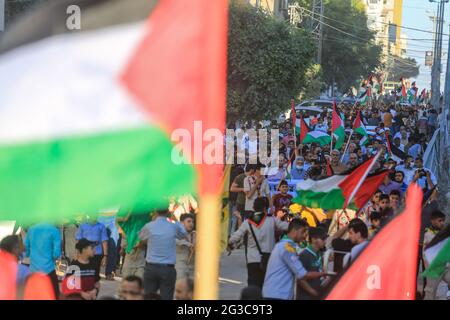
(299, 167)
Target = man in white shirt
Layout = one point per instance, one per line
(254, 187)
(407, 169)
(259, 230)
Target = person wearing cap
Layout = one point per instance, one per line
(311, 259)
(95, 232)
(161, 235)
(81, 276)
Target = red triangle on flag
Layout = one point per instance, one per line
(387, 268)
(303, 129)
(178, 73)
(368, 188)
(335, 119)
(357, 122)
(352, 183)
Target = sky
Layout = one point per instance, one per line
(416, 15)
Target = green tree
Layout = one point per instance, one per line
(349, 52)
(398, 67)
(267, 64)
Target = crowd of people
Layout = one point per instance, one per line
(282, 245)
(154, 253)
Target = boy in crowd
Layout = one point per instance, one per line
(394, 199)
(374, 204)
(84, 279)
(375, 223)
(281, 199)
(358, 234)
(311, 259)
(437, 221)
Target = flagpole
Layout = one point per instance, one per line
(207, 247)
(294, 122)
(346, 146)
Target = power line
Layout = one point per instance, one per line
(385, 23)
(339, 30)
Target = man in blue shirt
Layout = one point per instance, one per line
(43, 247)
(159, 272)
(95, 232)
(284, 266)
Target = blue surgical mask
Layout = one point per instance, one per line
(299, 167)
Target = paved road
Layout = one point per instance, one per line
(233, 277)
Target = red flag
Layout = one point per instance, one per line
(386, 269)
(38, 287)
(329, 169)
(350, 186)
(178, 74)
(388, 142)
(303, 129)
(293, 114)
(368, 188)
(357, 122)
(8, 275)
(336, 119)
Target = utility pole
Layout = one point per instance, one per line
(2, 15)
(444, 143)
(436, 69)
(316, 26)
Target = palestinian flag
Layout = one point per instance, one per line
(438, 256)
(412, 93)
(403, 91)
(87, 117)
(307, 136)
(351, 190)
(358, 127)
(423, 95)
(302, 129)
(382, 271)
(318, 137)
(337, 128)
(363, 97)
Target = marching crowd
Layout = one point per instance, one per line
(282, 244)
(284, 248)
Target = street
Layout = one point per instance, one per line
(233, 277)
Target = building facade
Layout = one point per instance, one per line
(385, 17)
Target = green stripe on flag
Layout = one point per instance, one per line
(66, 177)
(438, 265)
(339, 134)
(333, 199)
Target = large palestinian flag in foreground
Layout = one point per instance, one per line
(86, 116)
(352, 190)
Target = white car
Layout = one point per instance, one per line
(317, 103)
